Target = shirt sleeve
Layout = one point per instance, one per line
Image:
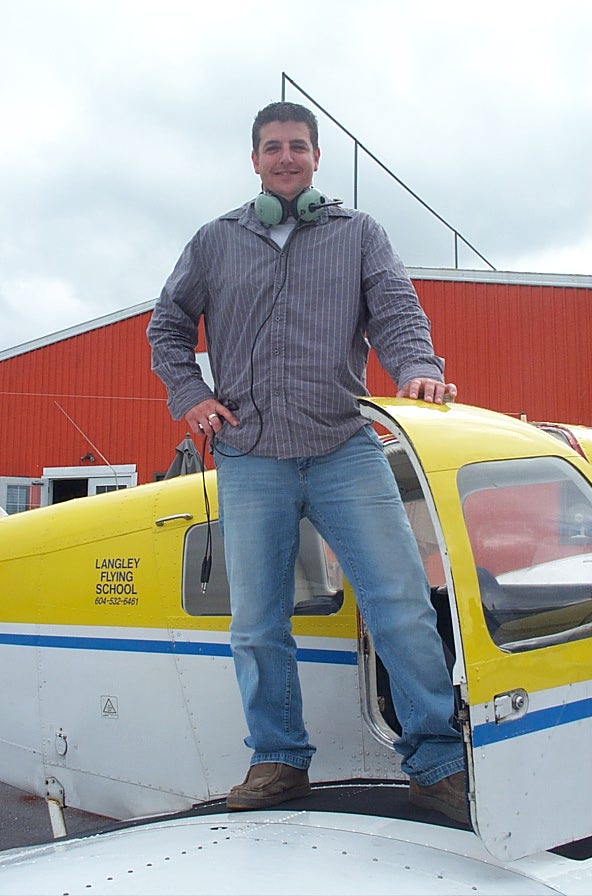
(397, 326)
(173, 333)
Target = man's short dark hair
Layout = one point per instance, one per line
(285, 112)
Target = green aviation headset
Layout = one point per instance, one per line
(307, 206)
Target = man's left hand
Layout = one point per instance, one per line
(428, 390)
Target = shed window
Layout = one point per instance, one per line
(21, 497)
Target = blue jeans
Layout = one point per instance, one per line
(350, 496)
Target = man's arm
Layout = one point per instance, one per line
(398, 328)
(173, 332)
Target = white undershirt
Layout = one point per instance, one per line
(280, 232)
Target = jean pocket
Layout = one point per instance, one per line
(222, 450)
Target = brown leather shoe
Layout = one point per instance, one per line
(267, 784)
(448, 796)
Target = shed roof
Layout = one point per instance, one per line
(579, 281)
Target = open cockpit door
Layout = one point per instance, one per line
(511, 517)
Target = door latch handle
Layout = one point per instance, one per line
(511, 705)
(176, 516)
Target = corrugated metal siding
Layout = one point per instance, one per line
(512, 348)
(515, 349)
(100, 379)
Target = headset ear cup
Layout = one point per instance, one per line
(271, 209)
(310, 196)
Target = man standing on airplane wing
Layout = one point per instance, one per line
(291, 287)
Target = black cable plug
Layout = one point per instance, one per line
(206, 568)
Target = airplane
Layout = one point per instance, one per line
(119, 693)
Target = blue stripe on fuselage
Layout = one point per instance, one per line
(534, 720)
(186, 648)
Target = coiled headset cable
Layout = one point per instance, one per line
(230, 404)
(206, 565)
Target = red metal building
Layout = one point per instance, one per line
(83, 412)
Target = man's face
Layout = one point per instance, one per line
(285, 159)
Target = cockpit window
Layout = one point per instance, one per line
(529, 522)
(318, 580)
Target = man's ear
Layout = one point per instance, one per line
(255, 161)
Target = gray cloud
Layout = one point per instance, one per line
(126, 125)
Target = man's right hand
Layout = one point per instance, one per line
(207, 417)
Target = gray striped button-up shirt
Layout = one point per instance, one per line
(288, 329)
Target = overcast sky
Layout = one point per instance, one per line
(125, 125)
